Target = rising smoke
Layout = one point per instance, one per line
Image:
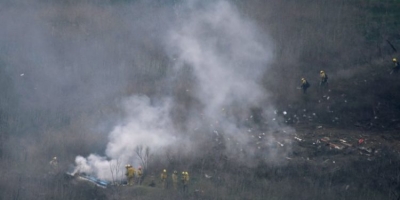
(226, 55)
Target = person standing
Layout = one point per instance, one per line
(139, 175)
(396, 66)
(130, 174)
(175, 180)
(304, 85)
(185, 181)
(324, 79)
(164, 177)
(54, 165)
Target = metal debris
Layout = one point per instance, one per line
(299, 139)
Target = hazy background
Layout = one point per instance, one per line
(188, 79)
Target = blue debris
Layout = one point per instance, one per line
(92, 179)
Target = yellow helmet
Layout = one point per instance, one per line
(303, 79)
(321, 72)
(183, 173)
(186, 173)
(394, 60)
(164, 170)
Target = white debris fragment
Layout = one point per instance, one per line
(284, 112)
(345, 101)
(273, 119)
(314, 114)
(249, 130)
(22, 74)
(299, 139)
(275, 112)
(280, 144)
(216, 133)
(327, 98)
(319, 127)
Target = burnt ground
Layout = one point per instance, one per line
(325, 163)
(346, 145)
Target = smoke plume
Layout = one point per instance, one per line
(226, 55)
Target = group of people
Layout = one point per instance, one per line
(184, 180)
(324, 77)
(131, 173)
(323, 81)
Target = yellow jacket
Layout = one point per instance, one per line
(164, 175)
(130, 172)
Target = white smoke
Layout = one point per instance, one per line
(145, 124)
(228, 55)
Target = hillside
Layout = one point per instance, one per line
(208, 87)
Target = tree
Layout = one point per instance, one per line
(144, 155)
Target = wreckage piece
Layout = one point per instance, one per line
(90, 179)
(331, 144)
(339, 147)
(344, 142)
(366, 149)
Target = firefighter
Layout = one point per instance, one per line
(185, 181)
(54, 162)
(130, 174)
(164, 177)
(396, 66)
(175, 180)
(139, 175)
(54, 165)
(324, 78)
(304, 85)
